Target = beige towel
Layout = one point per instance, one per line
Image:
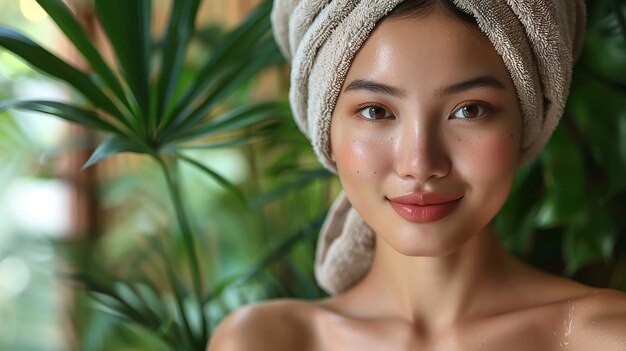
(539, 40)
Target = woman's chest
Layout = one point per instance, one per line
(543, 330)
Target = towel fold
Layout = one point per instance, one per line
(538, 40)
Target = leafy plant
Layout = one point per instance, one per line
(566, 211)
(145, 107)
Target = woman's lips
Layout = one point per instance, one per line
(424, 207)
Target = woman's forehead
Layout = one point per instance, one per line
(436, 49)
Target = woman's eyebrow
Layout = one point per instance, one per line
(478, 82)
(375, 87)
(380, 88)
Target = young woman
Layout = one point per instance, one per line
(431, 111)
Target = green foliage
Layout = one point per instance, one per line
(573, 196)
(151, 109)
(164, 291)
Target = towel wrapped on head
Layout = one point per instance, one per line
(538, 40)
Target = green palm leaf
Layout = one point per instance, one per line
(179, 32)
(231, 49)
(238, 118)
(46, 62)
(145, 115)
(63, 17)
(230, 187)
(240, 73)
(68, 112)
(111, 147)
(127, 24)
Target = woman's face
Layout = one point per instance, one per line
(426, 133)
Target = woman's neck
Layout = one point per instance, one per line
(435, 292)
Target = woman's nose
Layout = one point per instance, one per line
(420, 153)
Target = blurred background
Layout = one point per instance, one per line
(202, 195)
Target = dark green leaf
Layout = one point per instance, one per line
(126, 292)
(149, 295)
(230, 187)
(600, 114)
(178, 288)
(179, 32)
(621, 19)
(46, 62)
(209, 37)
(304, 178)
(605, 49)
(180, 294)
(69, 113)
(219, 287)
(266, 55)
(127, 24)
(63, 17)
(111, 147)
(515, 222)
(589, 238)
(231, 50)
(564, 178)
(238, 118)
(104, 292)
(222, 144)
(113, 306)
(278, 252)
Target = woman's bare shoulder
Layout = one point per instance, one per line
(602, 321)
(276, 325)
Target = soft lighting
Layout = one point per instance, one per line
(39, 207)
(32, 11)
(14, 275)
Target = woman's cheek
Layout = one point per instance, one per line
(489, 158)
(359, 153)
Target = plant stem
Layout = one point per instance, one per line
(170, 170)
(178, 295)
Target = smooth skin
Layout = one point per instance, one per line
(428, 105)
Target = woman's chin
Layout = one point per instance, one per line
(424, 244)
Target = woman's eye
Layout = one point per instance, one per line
(375, 112)
(470, 111)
